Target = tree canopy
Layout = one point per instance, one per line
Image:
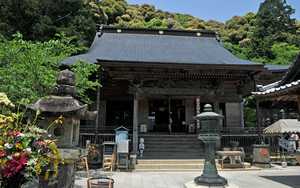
(28, 70)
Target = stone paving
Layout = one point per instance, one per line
(276, 177)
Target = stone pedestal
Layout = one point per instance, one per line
(66, 171)
(192, 184)
(210, 176)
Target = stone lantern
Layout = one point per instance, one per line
(210, 135)
(60, 115)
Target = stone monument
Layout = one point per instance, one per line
(210, 135)
(61, 114)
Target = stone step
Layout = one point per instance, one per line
(157, 156)
(170, 148)
(172, 139)
(168, 166)
(174, 143)
(157, 161)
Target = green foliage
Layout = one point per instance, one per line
(250, 112)
(84, 83)
(42, 19)
(29, 69)
(273, 24)
(284, 53)
(113, 9)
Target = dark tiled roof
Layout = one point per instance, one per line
(157, 46)
(293, 72)
(277, 89)
(277, 68)
(289, 81)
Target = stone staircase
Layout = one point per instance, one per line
(173, 147)
(145, 165)
(171, 153)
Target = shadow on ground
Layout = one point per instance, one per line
(292, 181)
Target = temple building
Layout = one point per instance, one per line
(154, 81)
(280, 99)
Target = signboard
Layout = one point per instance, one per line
(288, 145)
(123, 146)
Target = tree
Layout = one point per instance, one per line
(42, 19)
(28, 70)
(284, 53)
(113, 9)
(273, 21)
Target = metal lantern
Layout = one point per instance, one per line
(210, 135)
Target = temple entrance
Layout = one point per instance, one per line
(167, 115)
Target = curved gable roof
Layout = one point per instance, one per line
(157, 46)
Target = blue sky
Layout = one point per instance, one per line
(220, 10)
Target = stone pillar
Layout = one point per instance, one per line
(135, 125)
(233, 115)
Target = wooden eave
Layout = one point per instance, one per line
(256, 68)
(145, 70)
(289, 94)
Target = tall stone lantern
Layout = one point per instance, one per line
(210, 135)
(62, 106)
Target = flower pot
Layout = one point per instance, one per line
(298, 157)
(15, 181)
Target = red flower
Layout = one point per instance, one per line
(2, 153)
(14, 133)
(15, 165)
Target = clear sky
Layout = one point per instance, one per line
(220, 10)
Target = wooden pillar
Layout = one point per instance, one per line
(135, 130)
(198, 109)
(258, 118)
(102, 122)
(170, 115)
(298, 102)
(216, 107)
(242, 115)
(189, 111)
(143, 111)
(98, 119)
